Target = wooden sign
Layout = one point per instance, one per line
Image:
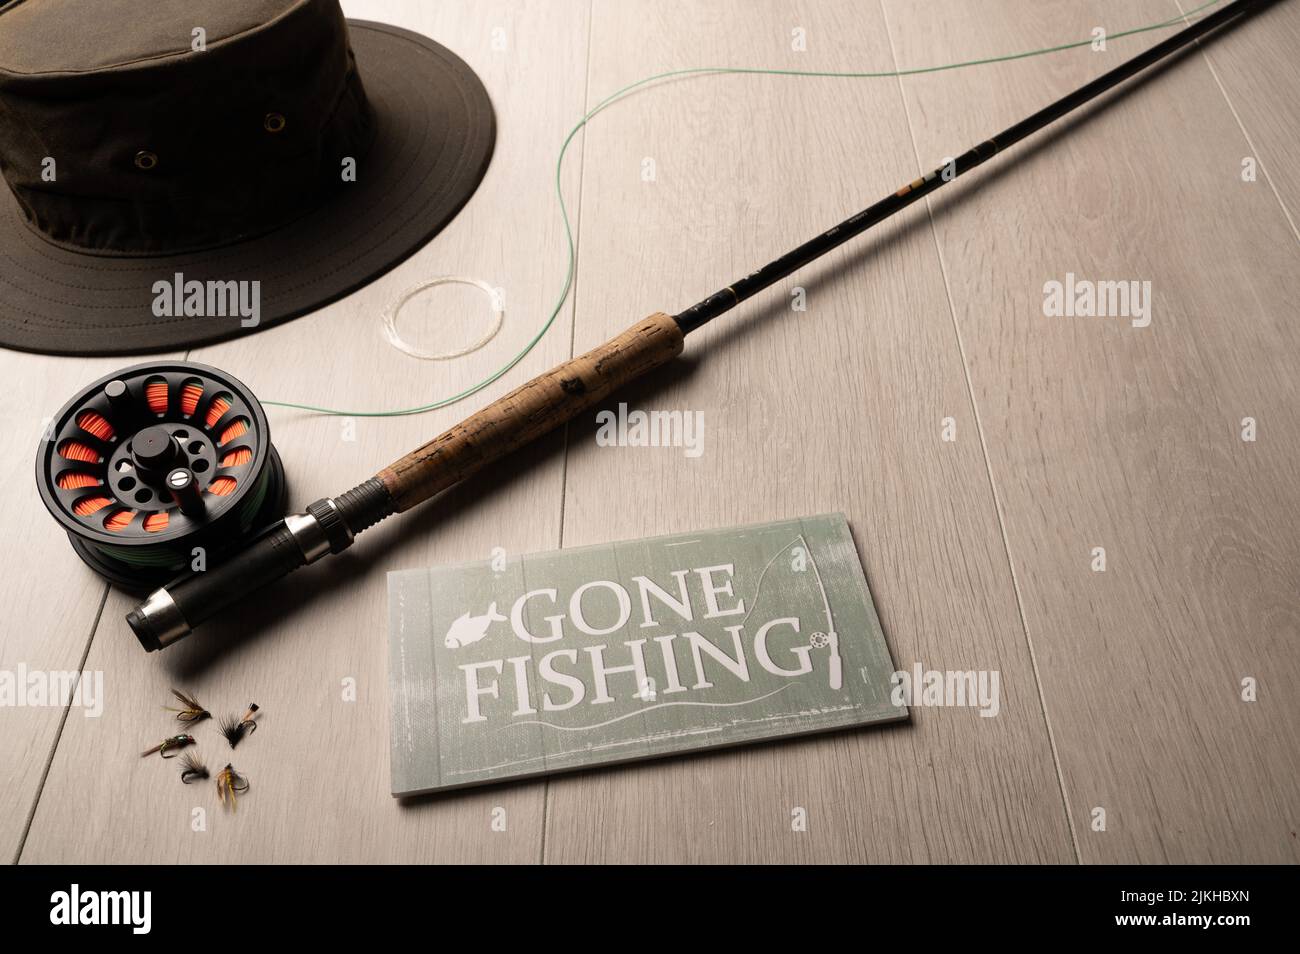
(526, 666)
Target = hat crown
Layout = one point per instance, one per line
(161, 126)
(51, 36)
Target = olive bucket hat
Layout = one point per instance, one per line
(183, 171)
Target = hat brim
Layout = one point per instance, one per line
(435, 135)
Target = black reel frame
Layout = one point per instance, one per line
(161, 467)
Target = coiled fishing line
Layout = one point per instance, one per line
(395, 307)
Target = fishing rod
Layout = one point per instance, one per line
(330, 525)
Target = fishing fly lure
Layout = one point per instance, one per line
(192, 768)
(230, 784)
(167, 745)
(235, 729)
(192, 711)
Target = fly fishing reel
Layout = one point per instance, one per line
(151, 462)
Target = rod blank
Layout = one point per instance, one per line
(727, 298)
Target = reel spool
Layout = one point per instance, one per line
(152, 461)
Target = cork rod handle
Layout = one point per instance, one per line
(531, 410)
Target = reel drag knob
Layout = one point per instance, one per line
(154, 451)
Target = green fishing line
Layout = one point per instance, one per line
(176, 557)
(697, 71)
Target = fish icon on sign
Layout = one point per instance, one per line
(466, 629)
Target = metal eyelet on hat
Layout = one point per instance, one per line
(146, 160)
(274, 122)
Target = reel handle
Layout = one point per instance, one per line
(531, 410)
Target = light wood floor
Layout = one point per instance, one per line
(1121, 690)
